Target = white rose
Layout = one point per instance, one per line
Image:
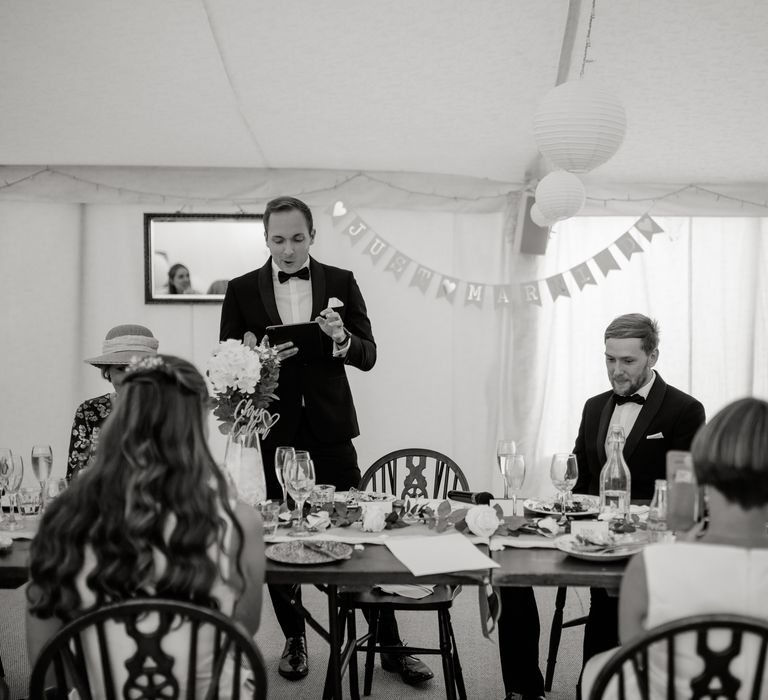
(374, 520)
(482, 520)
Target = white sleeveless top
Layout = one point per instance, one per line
(685, 579)
(175, 643)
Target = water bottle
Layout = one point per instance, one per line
(615, 479)
(657, 513)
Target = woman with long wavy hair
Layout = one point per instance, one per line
(151, 517)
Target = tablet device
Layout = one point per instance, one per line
(307, 337)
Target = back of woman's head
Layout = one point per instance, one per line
(153, 488)
(730, 452)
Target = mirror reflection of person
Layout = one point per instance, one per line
(152, 516)
(121, 344)
(179, 281)
(218, 287)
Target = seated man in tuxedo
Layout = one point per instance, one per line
(656, 418)
(314, 397)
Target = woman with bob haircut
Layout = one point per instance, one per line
(722, 568)
(150, 517)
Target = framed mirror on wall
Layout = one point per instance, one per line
(190, 258)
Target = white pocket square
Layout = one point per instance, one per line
(655, 436)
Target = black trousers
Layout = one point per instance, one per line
(334, 464)
(602, 630)
(519, 632)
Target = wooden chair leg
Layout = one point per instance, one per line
(354, 687)
(554, 637)
(456, 663)
(446, 653)
(370, 656)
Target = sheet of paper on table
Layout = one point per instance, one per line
(437, 555)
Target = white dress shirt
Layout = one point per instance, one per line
(626, 414)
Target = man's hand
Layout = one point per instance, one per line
(284, 350)
(331, 324)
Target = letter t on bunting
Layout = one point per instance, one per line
(421, 278)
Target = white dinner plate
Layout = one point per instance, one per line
(590, 503)
(569, 545)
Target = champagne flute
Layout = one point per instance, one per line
(514, 476)
(504, 450)
(14, 474)
(299, 476)
(282, 454)
(564, 472)
(6, 460)
(42, 460)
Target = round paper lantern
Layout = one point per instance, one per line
(560, 195)
(579, 125)
(538, 218)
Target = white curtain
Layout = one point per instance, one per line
(703, 279)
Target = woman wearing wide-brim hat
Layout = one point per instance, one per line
(121, 345)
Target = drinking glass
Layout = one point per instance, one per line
(15, 474)
(514, 476)
(504, 450)
(299, 476)
(564, 472)
(6, 458)
(282, 454)
(42, 460)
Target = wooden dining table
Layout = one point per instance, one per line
(375, 564)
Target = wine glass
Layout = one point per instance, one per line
(282, 454)
(564, 472)
(42, 460)
(504, 450)
(14, 473)
(6, 458)
(514, 476)
(299, 477)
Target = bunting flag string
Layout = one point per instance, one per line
(477, 293)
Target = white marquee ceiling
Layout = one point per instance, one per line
(424, 86)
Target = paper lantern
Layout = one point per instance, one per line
(579, 125)
(559, 196)
(538, 218)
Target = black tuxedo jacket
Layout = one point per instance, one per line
(667, 411)
(249, 305)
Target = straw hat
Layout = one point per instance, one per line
(123, 343)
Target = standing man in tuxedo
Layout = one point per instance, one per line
(656, 418)
(314, 398)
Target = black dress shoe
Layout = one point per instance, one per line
(412, 670)
(293, 662)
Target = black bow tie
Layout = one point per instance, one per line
(303, 274)
(635, 398)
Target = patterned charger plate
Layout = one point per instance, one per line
(318, 552)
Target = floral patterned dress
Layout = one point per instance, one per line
(89, 417)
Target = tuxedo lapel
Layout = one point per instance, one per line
(267, 293)
(647, 413)
(317, 276)
(602, 429)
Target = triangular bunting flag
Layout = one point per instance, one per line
(647, 226)
(355, 229)
(628, 245)
(376, 248)
(397, 264)
(606, 262)
(557, 287)
(421, 278)
(474, 294)
(583, 275)
(447, 288)
(502, 295)
(530, 293)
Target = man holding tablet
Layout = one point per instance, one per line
(315, 404)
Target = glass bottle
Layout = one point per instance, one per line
(615, 479)
(657, 512)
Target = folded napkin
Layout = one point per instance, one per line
(415, 591)
(498, 542)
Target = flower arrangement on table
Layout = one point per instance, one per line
(243, 381)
